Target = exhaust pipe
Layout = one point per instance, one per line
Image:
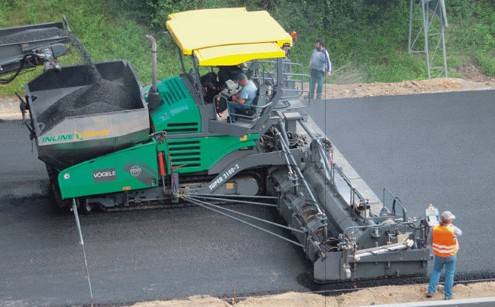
(153, 96)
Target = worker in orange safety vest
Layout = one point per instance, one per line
(444, 246)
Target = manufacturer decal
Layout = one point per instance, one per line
(102, 175)
(135, 171)
(142, 172)
(75, 136)
(92, 134)
(220, 179)
(61, 138)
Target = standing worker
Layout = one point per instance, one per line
(444, 246)
(319, 64)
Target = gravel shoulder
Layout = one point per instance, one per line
(438, 85)
(365, 297)
(9, 108)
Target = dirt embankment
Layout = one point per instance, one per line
(365, 297)
(347, 84)
(334, 91)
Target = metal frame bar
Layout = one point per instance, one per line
(197, 79)
(395, 201)
(181, 60)
(286, 150)
(428, 16)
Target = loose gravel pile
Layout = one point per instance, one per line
(101, 97)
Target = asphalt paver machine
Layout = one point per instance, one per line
(109, 144)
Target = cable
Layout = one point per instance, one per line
(237, 201)
(245, 215)
(18, 71)
(216, 209)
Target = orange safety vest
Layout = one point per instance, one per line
(444, 241)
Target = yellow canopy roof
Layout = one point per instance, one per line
(237, 54)
(228, 36)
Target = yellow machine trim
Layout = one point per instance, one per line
(237, 54)
(196, 30)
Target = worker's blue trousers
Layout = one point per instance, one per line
(316, 79)
(234, 107)
(438, 264)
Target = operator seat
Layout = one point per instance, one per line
(258, 104)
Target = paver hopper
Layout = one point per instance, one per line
(75, 118)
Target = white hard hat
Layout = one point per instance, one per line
(447, 215)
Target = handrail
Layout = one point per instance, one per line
(349, 231)
(354, 193)
(300, 78)
(396, 202)
(332, 169)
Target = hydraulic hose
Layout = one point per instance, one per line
(18, 71)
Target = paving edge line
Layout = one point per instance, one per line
(471, 302)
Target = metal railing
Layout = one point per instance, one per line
(293, 81)
(393, 203)
(346, 189)
(265, 74)
(336, 176)
(353, 232)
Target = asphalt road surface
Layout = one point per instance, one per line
(432, 148)
(426, 148)
(133, 256)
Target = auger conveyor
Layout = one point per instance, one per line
(74, 118)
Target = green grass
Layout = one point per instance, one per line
(369, 41)
(105, 33)
(486, 62)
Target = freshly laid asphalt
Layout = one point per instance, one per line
(132, 256)
(436, 148)
(433, 148)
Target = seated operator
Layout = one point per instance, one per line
(244, 99)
